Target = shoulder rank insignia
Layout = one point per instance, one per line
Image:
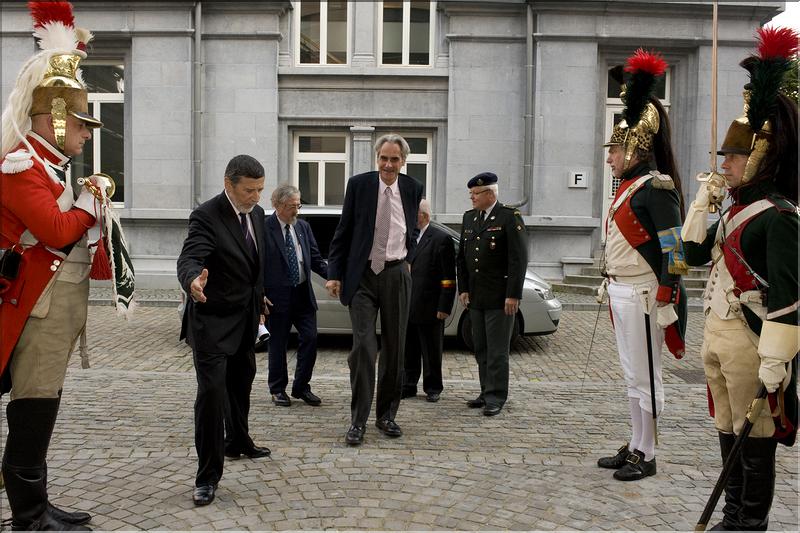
(661, 181)
(16, 162)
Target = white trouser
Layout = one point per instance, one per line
(628, 304)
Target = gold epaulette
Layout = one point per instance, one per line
(662, 181)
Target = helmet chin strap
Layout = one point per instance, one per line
(58, 113)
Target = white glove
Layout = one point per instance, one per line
(772, 372)
(711, 190)
(666, 315)
(87, 202)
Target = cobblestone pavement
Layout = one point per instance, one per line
(123, 446)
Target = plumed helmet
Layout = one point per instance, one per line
(50, 82)
(640, 118)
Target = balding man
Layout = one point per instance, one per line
(433, 289)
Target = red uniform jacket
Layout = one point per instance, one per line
(28, 201)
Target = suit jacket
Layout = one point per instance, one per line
(433, 276)
(276, 264)
(235, 287)
(493, 257)
(352, 240)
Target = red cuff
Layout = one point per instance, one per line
(668, 294)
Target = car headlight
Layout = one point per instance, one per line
(546, 294)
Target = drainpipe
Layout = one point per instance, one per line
(197, 112)
(527, 182)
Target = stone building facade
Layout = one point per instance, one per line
(517, 87)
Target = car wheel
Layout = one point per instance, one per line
(465, 331)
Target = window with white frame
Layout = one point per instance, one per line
(406, 32)
(419, 161)
(322, 32)
(320, 169)
(105, 152)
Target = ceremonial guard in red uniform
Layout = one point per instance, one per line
(751, 333)
(642, 259)
(44, 282)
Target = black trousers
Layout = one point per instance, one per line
(424, 343)
(390, 293)
(222, 407)
(302, 315)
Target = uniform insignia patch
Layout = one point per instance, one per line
(519, 228)
(16, 162)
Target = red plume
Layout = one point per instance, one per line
(44, 12)
(643, 61)
(777, 43)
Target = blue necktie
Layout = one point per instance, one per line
(291, 255)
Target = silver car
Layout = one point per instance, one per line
(539, 310)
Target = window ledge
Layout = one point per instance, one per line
(351, 70)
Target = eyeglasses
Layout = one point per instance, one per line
(296, 206)
(478, 193)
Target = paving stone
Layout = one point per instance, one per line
(123, 447)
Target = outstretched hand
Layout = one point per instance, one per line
(197, 286)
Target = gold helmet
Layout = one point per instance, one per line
(751, 134)
(50, 82)
(640, 118)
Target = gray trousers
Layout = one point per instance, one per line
(390, 293)
(491, 335)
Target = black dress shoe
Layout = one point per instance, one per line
(204, 494)
(78, 517)
(309, 397)
(281, 399)
(491, 410)
(355, 435)
(253, 453)
(636, 467)
(389, 428)
(432, 397)
(476, 403)
(615, 461)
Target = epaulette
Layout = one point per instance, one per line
(16, 162)
(783, 204)
(661, 181)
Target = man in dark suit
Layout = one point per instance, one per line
(433, 288)
(291, 255)
(492, 261)
(367, 269)
(221, 269)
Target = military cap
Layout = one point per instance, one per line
(482, 179)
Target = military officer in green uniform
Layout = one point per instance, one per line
(491, 261)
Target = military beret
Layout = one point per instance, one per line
(484, 178)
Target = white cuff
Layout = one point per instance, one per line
(695, 226)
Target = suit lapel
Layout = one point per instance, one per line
(423, 242)
(304, 246)
(276, 233)
(372, 200)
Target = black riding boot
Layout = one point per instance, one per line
(758, 466)
(733, 490)
(30, 426)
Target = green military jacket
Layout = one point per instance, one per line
(492, 257)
